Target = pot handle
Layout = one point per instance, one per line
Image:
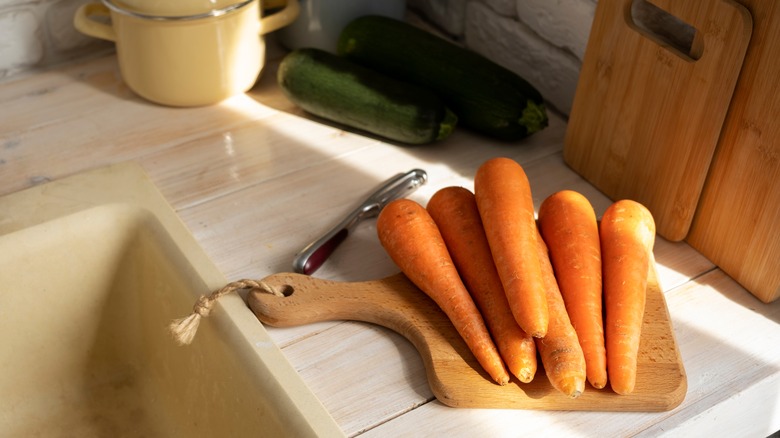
(280, 18)
(85, 24)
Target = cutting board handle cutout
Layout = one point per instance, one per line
(669, 31)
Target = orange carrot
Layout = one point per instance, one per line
(560, 351)
(413, 241)
(454, 210)
(505, 204)
(627, 234)
(569, 228)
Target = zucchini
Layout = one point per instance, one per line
(339, 90)
(486, 97)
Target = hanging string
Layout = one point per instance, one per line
(184, 329)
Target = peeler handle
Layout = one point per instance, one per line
(314, 254)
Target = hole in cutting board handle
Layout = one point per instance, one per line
(665, 29)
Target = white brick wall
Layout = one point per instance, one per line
(563, 23)
(450, 15)
(21, 46)
(541, 40)
(516, 46)
(40, 33)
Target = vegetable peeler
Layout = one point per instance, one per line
(310, 258)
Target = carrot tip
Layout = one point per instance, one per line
(525, 375)
(573, 388)
(623, 391)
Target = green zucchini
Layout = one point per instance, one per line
(486, 97)
(339, 90)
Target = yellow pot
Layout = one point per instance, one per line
(186, 60)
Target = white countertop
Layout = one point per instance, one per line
(255, 180)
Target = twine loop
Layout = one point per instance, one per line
(203, 306)
(184, 329)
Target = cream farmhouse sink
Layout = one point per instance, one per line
(92, 269)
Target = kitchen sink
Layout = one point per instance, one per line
(93, 267)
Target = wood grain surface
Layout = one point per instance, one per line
(737, 218)
(646, 117)
(454, 375)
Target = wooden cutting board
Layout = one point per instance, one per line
(736, 225)
(646, 117)
(454, 375)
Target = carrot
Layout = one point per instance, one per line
(410, 237)
(568, 226)
(560, 351)
(454, 210)
(505, 204)
(627, 234)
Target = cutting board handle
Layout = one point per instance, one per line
(309, 299)
(393, 302)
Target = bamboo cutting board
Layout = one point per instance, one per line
(454, 375)
(646, 117)
(737, 223)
